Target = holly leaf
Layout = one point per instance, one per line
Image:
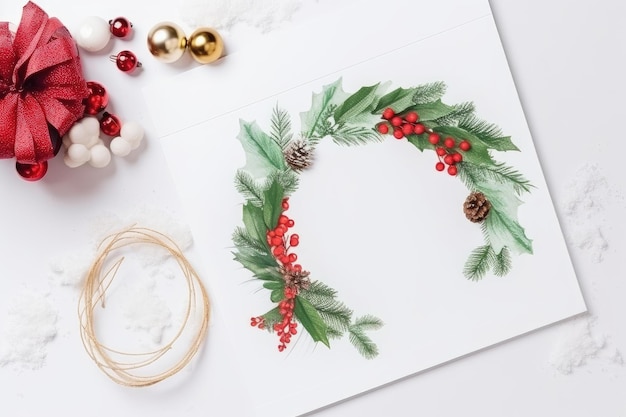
(272, 207)
(432, 111)
(505, 232)
(311, 320)
(313, 119)
(254, 221)
(398, 100)
(359, 106)
(277, 295)
(274, 285)
(420, 142)
(263, 267)
(271, 318)
(263, 154)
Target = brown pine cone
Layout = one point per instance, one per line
(299, 155)
(476, 207)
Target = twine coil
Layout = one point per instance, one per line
(94, 291)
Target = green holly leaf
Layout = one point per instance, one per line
(420, 142)
(359, 106)
(277, 295)
(274, 285)
(263, 267)
(310, 319)
(432, 111)
(505, 232)
(398, 100)
(313, 120)
(254, 221)
(263, 154)
(272, 207)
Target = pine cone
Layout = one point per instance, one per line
(299, 155)
(296, 279)
(476, 207)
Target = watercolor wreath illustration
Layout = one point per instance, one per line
(463, 146)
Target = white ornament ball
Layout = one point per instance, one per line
(132, 132)
(100, 156)
(70, 162)
(120, 146)
(79, 153)
(67, 141)
(93, 34)
(78, 134)
(91, 125)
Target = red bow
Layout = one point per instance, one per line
(41, 85)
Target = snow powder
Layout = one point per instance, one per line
(29, 327)
(265, 15)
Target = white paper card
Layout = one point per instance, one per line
(377, 223)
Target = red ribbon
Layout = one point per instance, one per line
(41, 84)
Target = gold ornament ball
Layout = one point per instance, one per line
(167, 42)
(206, 45)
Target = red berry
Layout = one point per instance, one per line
(276, 241)
(449, 143)
(448, 159)
(297, 267)
(433, 138)
(465, 145)
(284, 259)
(452, 170)
(396, 121)
(271, 233)
(439, 166)
(457, 157)
(294, 240)
(397, 133)
(283, 219)
(419, 129)
(281, 347)
(285, 205)
(291, 223)
(388, 113)
(293, 257)
(279, 250)
(383, 128)
(440, 151)
(279, 232)
(407, 129)
(411, 117)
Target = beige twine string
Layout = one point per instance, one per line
(94, 292)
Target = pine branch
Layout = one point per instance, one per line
(335, 314)
(489, 133)
(503, 263)
(281, 127)
(369, 322)
(355, 135)
(427, 93)
(481, 260)
(248, 187)
(474, 175)
(363, 344)
(243, 239)
(288, 179)
(460, 111)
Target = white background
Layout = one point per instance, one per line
(568, 63)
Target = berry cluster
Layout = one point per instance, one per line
(287, 327)
(280, 242)
(402, 126)
(447, 154)
(407, 124)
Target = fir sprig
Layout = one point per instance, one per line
(428, 93)
(281, 127)
(247, 186)
(474, 176)
(359, 338)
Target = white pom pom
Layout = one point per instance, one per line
(93, 34)
(100, 156)
(91, 125)
(70, 162)
(120, 146)
(79, 153)
(78, 134)
(67, 141)
(132, 132)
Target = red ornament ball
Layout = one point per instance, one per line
(97, 100)
(32, 172)
(120, 27)
(126, 61)
(110, 125)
